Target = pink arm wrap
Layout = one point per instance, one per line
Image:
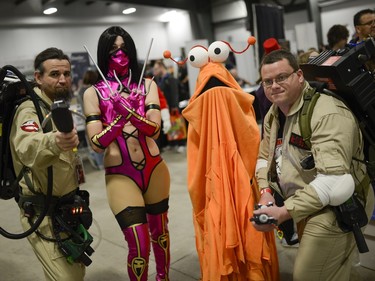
(109, 134)
(147, 127)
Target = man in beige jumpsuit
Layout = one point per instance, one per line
(36, 150)
(325, 252)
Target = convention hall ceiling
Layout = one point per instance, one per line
(29, 12)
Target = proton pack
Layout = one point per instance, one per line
(344, 75)
(71, 213)
(12, 93)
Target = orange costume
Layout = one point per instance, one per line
(222, 148)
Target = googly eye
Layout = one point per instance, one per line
(218, 51)
(198, 57)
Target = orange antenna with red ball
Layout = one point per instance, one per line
(167, 55)
(217, 52)
(250, 41)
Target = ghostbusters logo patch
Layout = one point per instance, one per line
(30, 126)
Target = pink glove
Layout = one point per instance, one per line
(123, 107)
(110, 133)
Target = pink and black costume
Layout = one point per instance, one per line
(139, 224)
(140, 173)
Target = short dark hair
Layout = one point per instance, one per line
(358, 15)
(90, 77)
(279, 55)
(49, 54)
(161, 64)
(105, 44)
(337, 33)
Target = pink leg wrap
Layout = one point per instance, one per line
(138, 239)
(160, 243)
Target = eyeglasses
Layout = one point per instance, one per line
(371, 22)
(282, 78)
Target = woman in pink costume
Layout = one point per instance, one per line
(123, 120)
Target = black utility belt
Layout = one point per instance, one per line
(38, 200)
(71, 216)
(72, 208)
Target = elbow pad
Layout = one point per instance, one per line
(109, 134)
(333, 189)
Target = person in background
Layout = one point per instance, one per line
(165, 116)
(164, 110)
(170, 87)
(89, 78)
(241, 81)
(269, 45)
(337, 37)
(184, 93)
(125, 125)
(183, 79)
(364, 23)
(37, 150)
(307, 56)
(310, 191)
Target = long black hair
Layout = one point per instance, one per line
(105, 45)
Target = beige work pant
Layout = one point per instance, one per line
(55, 265)
(326, 253)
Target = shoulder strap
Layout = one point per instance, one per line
(309, 100)
(270, 120)
(48, 128)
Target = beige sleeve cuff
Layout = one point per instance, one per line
(55, 149)
(261, 175)
(303, 203)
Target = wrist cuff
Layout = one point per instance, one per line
(266, 190)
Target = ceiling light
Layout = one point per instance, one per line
(50, 11)
(129, 11)
(168, 16)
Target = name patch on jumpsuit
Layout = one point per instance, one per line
(30, 126)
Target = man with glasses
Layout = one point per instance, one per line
(364, 23)
(310, 189)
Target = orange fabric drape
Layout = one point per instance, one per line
(222, 148)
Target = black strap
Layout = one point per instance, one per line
(92, 118)
(152, 106)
